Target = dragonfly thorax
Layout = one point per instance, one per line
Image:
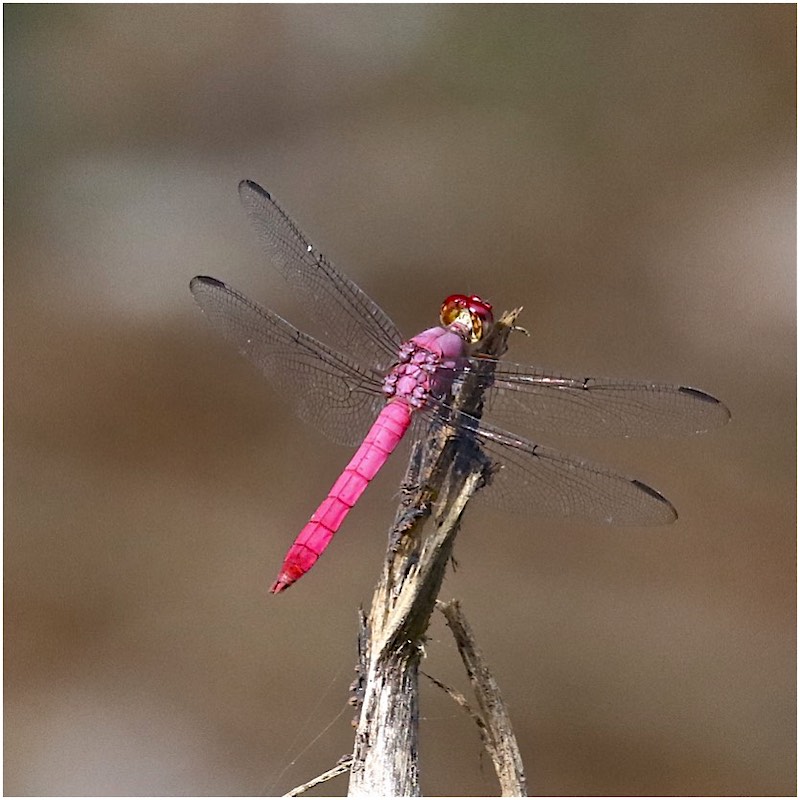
(425, 366)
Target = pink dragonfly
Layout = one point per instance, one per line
(369, 384)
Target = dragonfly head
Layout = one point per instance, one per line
(469, 316)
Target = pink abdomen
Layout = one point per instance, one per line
(383, 437)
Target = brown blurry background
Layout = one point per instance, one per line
(626, 173)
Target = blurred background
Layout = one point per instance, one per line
(626, 173)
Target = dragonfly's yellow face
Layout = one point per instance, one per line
(469, 315)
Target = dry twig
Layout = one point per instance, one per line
(495, 723)
(342, 767)
(444, 474)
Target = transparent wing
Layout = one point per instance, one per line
(326, 388)
(532, 479)
(531, 399)
(349, 318)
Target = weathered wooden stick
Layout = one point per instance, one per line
(495, 723)
(443, 473)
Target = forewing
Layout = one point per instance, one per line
(529, 399)
(348, 317)
(326, 388)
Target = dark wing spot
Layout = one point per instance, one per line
(649, 490)
(200, 280)
(706, 398)
(255, 187)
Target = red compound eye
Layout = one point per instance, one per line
(478, 317)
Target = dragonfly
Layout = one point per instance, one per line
(365, 385)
